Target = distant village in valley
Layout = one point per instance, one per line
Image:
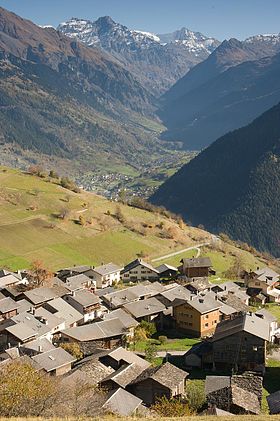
(115, 329)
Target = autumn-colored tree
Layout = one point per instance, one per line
(119, 215)
(171, 407)
(24, 391)
(39, 276)
(73, 348)
(82, 220)
(35, 170)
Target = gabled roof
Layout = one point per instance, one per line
(107, 269)
(136, 263)
(144, 308)
(251, 324)
(10, 279)
(179, 292)
(96, 331)
(39, 345)
(21, 331)
(127, 295)
(121, 354)
(54, 359)
(167, 375)
(127, 320)
(44, 294)
(267, 275)
(125, 375)
(266, 315)
(121, 402)
(165, 267)
(77, 282)
(216, 383)
(86, 298)
(7, 305)
(198, 262)
(77, 269)
(200, 284)
(245, 399)
(204, 304)
(64, 311)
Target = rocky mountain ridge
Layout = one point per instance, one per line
(157, 61)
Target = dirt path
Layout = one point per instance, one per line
(167, 256)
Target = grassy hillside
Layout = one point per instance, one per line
(31, 228)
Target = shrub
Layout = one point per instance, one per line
(151, 353)
(73, 348)
(162, 339)
(149, 328)
(195, 395)
(171, 407)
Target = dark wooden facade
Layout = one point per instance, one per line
(241, 351)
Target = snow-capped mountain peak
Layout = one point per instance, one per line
(195, 42)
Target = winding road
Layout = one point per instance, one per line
(197, 248)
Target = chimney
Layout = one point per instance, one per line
(40, 349)
(73, 293)
(216, 297)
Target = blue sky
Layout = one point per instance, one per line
(219, 18)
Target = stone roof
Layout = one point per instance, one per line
(126, 295)
(136, 263)
(144, 308)
(125, 375)
(164, 268)
(7, 305)
(204, 303)
(245, 399)
(179, 292)
(199, 284)
(107, 269)
(41, 295)
(167, 374)
(127, 320)
(273, 401)
(267, 275)
(120, 354)
(8, 280)
(248, 323)
(53, 359)
(123, 403)
(197, 262)
(232, 300)
(38, 345)
(94, 369)
(215, 383)
(77, 282)
(266, 315)
(65, 311)
(96, 331)
(86, 298)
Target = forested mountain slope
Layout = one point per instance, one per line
(233, 186)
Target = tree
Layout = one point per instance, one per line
(35, 170)
(39, 275)
(149, 328)
(122, 196)
(24, 391)
(195, 395)
(151, 352)
(73, 348)
(171, 407)
(119, 215)
(82, 220)
(53, 174)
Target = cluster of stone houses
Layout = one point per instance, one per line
(85, 305)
